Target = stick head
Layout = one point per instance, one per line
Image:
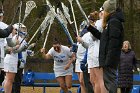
(70, 1)
(57, 3)
(29, 6)
(42, 10)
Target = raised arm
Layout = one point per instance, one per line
(80, 40)
(46, 56)
(96, 33)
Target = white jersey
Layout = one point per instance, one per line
(2, 26)
(90, 53)
(60, 59)
(82, 50)
(93, 51)
(24, 54)
(11, 60)
(13, 57)
(98, 25)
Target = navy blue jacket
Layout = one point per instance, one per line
(125, 73)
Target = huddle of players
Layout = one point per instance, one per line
(96, 46)
(14, 50)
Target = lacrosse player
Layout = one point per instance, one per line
(10, 60)
(22, 55)
(2, 26)
(63, 67)
(111, 40)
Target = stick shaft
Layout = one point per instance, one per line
(33, 36)
(15, 14)
(65, 30)
(47, 36)
(63, 22)
(30, 29)
(24, 19)
(75, 23)
(42, 24)
(69, 20)
(19, 18)
(82, 11)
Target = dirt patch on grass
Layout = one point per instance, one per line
(40, 90)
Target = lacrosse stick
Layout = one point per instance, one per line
(70, 1)
(52, 9)
(16, 12)
(42, 27)
(45, 23)
(64, 21)
(19, 19)
(39, 15)
(82, 11)
(51, 21)
(67, 16)
(2, 5)
(47, 36)
(30, 5)
(61, 15)
(66, 13)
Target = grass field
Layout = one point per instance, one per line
(40, 90)
(49, 90)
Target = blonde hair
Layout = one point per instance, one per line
(105, 17)
(129, 45)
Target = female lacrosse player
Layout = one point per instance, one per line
(63, 67)
(10, 61)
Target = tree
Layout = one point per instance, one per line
(120, 3)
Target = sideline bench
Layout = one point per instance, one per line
(44, 79)
(136, 87)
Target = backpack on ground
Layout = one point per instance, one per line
(28, 77)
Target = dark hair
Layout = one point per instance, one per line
(56, 41)
(94, 16)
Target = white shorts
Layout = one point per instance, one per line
(10, 68)
(61, 72)
(77, 67)
(10, 63)
(93, 62)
